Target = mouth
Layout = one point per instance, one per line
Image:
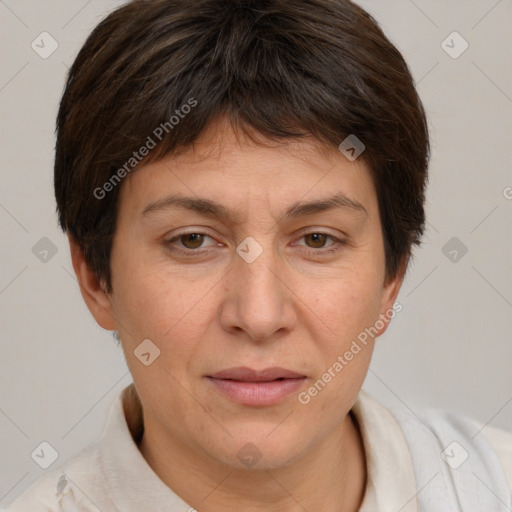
(256, 387)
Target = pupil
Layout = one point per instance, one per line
(193, 240)
(318, 239)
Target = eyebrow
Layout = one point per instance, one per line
(211, 208)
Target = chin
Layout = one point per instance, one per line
(260, 451)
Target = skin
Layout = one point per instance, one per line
(296, 306)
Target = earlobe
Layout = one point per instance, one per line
(93, 291)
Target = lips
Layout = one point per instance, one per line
(245, 374)
(256, 387)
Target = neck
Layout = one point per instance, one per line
(331, 477)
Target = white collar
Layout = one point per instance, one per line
(391, 485)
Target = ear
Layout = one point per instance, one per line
(390, 292)
(93, 292)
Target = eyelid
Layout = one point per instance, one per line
(328, 235)
(191, 232)
(337, 235)
(337, 243)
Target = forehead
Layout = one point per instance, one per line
(229, 168)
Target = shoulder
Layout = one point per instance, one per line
(501, 441)
(466, 447)
(81, 484)
(490, 444)
(56, 490)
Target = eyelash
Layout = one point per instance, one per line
(336, 246)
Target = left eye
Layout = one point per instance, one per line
(315, 246)
(317, 240)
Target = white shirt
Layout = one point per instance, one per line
(113, 476)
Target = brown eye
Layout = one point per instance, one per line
(316, 240)
(192, 240)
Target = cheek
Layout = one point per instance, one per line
(344, 307)
(172, 312)
(343, 312)
(349, 300)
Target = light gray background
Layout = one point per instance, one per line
(450, 347)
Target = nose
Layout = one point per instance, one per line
(259, 301)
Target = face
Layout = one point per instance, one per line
(252, 269)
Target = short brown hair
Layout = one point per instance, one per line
(282, 68)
